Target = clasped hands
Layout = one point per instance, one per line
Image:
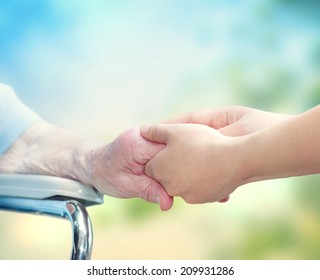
(199, 156)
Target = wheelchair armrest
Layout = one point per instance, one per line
(53, 196)
(46, 187)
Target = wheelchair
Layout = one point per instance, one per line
(53, 196)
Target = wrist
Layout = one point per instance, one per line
(231, 161)
(240, 158)
(249, 159)
(275, 152)
(84, 160)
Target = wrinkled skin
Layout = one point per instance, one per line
(118, 169)
(115, 169)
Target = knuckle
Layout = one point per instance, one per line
(194, 199)
(146, 191)
(189, 199)
(171, 191)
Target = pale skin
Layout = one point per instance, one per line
(115, 169)
(210, 153)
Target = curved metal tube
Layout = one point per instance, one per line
(69, 209)
(82, 230)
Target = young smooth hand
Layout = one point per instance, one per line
(233, 120)
(202, 164)
(197, 163)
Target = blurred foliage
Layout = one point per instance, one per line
(137, 210)
(307, 193)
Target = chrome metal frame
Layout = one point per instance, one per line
(72, 210)
(53, 196)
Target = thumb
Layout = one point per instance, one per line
(231, 130)
(165, 201)
(154, 192)
(156, 133)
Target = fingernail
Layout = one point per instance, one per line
(158, 200)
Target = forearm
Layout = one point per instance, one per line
(48, 150)
(290, 148)
(15, 118)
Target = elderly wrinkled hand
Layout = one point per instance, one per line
(115, 169)
(118, 169)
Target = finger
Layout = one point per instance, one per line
(165, 201)
(150, 151)
(215, 118)
(159, 133)
(231, 130)
(199, 117)
(224, 200)
(154, 192)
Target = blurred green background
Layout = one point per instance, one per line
(101, 67)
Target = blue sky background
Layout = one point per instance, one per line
(83, 63)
